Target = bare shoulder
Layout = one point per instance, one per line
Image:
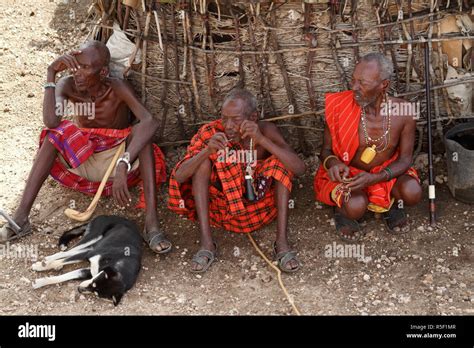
(403, 111)
(268, 128)
(121, 87)
(271, 131)
(119, 84)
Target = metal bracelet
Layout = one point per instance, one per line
(49, 85)
(326, 159)
(124, 160)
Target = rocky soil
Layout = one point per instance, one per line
(426, 271)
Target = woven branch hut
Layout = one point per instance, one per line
(190, 53)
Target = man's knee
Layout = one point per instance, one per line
(202, 175)
(356, 207)
(203, 169)
(410, 191)
(48, 148)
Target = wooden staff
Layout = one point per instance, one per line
(176, 74)
(431, 187)
(334, 52)
(256, 65)
(164, 91)
(392, 54)
(312, 43)
(208, 58)
(354, 32)
(86, 215)
(144, 52)
(266, 70)
(197, 100)
(241, 83)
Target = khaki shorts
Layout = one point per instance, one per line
(96, 165)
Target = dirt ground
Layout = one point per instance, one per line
(426, 271)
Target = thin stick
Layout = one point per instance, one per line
(431, 191)
(164, 91)
(179, 82)
(332, 45)
(208, 58)
(432, 88)
(441, 69)
(286, 117)
(127, 17)
(354, 32)
(119, 12)
(257, 65)
(176, 75)
(158, 28)
(394, 58)
(241, 83)
(188, 91)
(76, 215)
(312, 42)
(277, 270)
(278, 118)
(144, 51)
(264, 61)
(192, 65)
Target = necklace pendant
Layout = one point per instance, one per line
(368, 154)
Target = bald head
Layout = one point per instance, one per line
(99, 50)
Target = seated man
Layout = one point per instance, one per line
(78, 154)
(367, 152)
(209, 185)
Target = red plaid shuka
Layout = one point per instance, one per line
(76, 145)
(227, 207)
(342, 118)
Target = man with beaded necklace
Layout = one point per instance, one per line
(367, 152)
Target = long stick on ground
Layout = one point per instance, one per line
(290, 299)
(86, 215)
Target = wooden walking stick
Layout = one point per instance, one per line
(431, 187)
(86, 215)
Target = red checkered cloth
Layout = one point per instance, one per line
(76, 145)
(227, 207)
(342, 118)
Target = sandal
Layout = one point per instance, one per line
(154, 238)
(10, 232)
(396, 220)
(283, 257)
(204, 258)
(347, 229)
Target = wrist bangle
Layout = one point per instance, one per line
(49, 85)
(389, 172)
(326, 159)
(125, 159)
